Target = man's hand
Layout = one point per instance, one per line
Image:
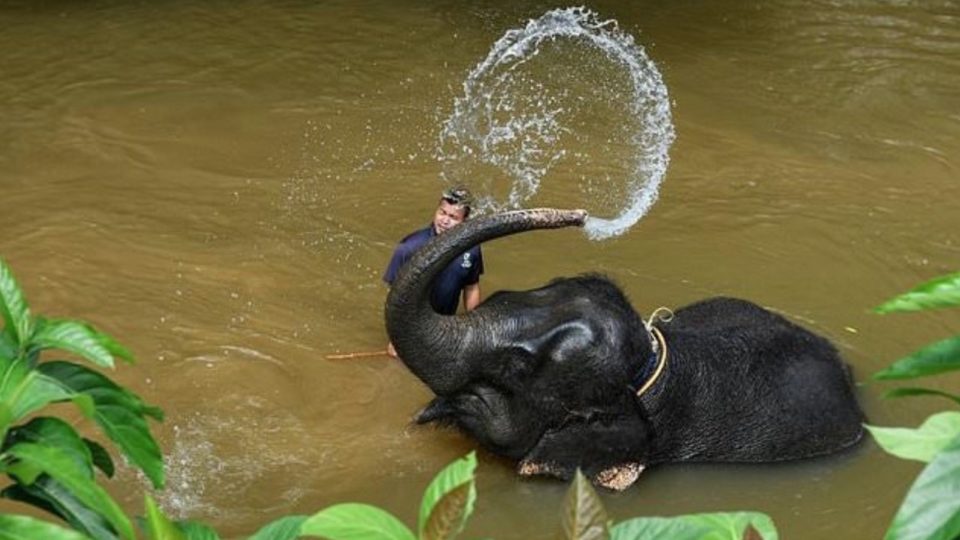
(471, 296)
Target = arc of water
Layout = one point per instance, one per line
(519, 46)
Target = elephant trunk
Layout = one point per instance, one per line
(439, 348)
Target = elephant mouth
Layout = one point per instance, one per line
(464, 407)
(486, 415)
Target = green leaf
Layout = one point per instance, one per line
(119, 412)
(923, 443)
(101, 458)
(17, 492)
(47, 494)
(449, 514)
(194, 530)
(931, 509)
(584, 517)
(738, 522)
(85, 380)
(17, 324)
(937, 358)
(37, 391)
(158, 526)
(285, 528)
(940, 292)
(116, 349)
(55, 433)
(24, 390)
(454, 475)
(62, 468)
(72, 336)
(27, 528)
(662, 527)
(716, 526)
(8, 349)
(354, 521)
(911, 391)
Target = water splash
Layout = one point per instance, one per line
(218, 459)
(571, 95)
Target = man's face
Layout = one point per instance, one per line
(447, 216)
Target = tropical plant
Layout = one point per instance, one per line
(446, 504)
(48, 463)
(584, 518)
(931, 509)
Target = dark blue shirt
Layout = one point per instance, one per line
(463, 271)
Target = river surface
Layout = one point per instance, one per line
(219, 185)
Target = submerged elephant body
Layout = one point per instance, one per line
(550, 377)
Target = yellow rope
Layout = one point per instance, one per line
(662, 314)
(661, 360)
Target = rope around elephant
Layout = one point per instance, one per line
(658, 343)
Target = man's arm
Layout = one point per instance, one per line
(471, 292)
(399, 258)
(471, 296)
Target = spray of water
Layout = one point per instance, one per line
(571, 95)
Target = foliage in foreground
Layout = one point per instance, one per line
(446, 505)
(584, 518)
(48, 463)
(52, 467)
(448, 502)
(931, 509)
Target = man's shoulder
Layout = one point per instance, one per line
(417, 235)
(415, 239)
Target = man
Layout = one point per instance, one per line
(461, 276)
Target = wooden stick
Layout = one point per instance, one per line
(363, 354)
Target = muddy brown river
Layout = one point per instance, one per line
(220, 187)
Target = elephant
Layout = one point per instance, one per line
(568, 376)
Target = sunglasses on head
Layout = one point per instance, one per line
(457, 197)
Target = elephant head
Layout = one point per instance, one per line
(553, 378)
(535, 375)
